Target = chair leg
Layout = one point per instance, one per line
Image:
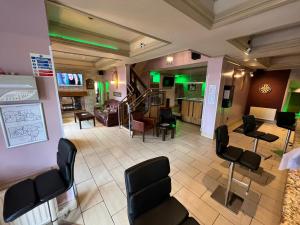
(132, 133)
(143, 136)
(230, 175)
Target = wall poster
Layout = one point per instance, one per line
(23, 124)
(41, 65)
(212, 92)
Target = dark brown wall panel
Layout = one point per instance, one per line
(277, 79)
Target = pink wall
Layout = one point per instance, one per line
(122, 85)
(23, 30)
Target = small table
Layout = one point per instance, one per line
(84, 116)
(164, 127)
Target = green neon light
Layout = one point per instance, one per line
(181, 79)
(203, 87)
(155, 76)
(107, 86)
(69, 38)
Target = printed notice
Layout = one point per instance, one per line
(41, 65)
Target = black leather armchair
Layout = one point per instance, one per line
(148, 188)
(286, 120)
(28, 194)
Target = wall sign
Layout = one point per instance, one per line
(90, 84)
(212, 92)
(41, 65)
(117, 94)
(23, 124)
(265, 89)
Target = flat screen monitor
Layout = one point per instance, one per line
(69, 79)
(168, 81)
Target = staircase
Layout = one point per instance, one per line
(139, 98)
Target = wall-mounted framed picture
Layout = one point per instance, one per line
(90, 84)
(23, 124)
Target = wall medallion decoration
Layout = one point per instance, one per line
(265, 89)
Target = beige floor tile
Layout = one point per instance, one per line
(186, 168)
(118, 175)
(101, 175)
(266, 217)
(121, 217)
(81, 173)
(92, 160)
(199, 208)
(97, 215)
(74, 217)
(256, 222)
(222, 221)
(190, 183)
(176, 186)
(88, 194)
(113, 197)
(110, 161)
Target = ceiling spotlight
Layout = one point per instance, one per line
(248, 51)
(170, 59)
(251, 74)
(142, 45)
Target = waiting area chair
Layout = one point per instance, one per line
(148, 188)
(166, 116)
(233, 155)
(286, 120)
(30, 193)
(141, 124)
(250, 131)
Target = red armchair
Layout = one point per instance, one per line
(140, 124)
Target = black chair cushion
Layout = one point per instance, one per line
(251, 160)
(286, 120)
(269, 137)
(222, 139)
(232, 154)
(255, 134)
(19, 199)
(146, 173)
(169, 212)
(49, 185)
(190, 221)
(148, 198)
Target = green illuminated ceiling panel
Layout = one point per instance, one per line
(69, 38)
(155, 76)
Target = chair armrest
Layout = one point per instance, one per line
(150, 120)
(138, 125)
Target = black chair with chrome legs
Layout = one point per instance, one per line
(28, 194)
(249, 124)
(233, 155)
(286, 120)
(148, 188)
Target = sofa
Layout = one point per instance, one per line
(108, 114)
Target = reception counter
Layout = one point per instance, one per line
(191, 110)
(291, 201)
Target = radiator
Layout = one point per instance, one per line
(263, 113)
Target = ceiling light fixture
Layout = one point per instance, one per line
(170, 59)
(69, 38)
(251, 74)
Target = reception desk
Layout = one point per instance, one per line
(191, 110)
(291, 200)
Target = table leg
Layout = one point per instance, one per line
(80, 124)
(75, 118)
(157, 131)
(164, 135)
(94, 122)
(172, 133)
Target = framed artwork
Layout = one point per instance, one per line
(23, 124)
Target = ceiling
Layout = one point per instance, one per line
(212, 27)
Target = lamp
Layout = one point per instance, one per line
(115, 79)
(170, 59)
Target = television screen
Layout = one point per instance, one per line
(69, 79)
(168, 81)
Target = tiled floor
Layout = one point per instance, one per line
(104, 153)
